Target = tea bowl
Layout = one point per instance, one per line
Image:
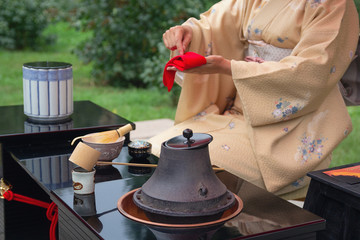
(109, 151)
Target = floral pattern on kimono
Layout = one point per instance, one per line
(310, 148)
(315, 3)
(284, 109)
(298, 183)
(225, 147)
(201, 116)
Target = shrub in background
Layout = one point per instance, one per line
(357, 3)
(22, 22)
(126, 47)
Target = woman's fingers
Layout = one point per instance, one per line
(177, 37)
(169, 38)
(187, 36)
(172, 69)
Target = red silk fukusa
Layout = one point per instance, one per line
(181, 62)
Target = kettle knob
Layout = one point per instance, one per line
(189, 140)
(188, 133)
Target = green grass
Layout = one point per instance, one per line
(133, 104)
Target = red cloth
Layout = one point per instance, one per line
(181, 62)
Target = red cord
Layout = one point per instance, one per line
(52, 215)
(51, 212)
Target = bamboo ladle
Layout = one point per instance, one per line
(112, 136)
(142, 165)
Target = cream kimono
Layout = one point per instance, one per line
(275, 121)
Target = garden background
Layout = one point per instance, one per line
(116, 49)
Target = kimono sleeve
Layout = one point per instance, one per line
(297, 85)
(219, 30)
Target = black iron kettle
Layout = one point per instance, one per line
(184, 187)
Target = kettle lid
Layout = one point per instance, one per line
(189, 140)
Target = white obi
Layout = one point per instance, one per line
(266, 51)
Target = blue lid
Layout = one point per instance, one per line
(47, 65)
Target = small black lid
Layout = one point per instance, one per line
(47, 65)
(189, 140)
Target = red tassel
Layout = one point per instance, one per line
(51, 212)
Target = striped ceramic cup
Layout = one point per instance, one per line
(48, 91)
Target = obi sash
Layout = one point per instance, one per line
(266, 51)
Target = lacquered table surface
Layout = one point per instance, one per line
(86, 115)
(34, 159)
(264, 215)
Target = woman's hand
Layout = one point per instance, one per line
(214, 64)
(178, 37)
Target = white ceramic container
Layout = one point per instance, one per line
(83, 180)
(48, 91)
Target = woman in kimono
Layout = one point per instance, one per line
(268, 93)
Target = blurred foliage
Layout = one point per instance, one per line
(126, 47)
(357, 3)
(22, 22)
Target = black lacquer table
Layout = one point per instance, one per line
(41, 170)
(33, 158)
(264, 215)
(336, 199)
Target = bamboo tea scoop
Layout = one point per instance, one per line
(142, 165)
(106, 136)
